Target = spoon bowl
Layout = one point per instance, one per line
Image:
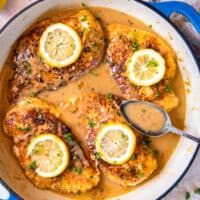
(150, 113)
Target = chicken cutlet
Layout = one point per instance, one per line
(32, 75)
(32, 117)
(93, 111)
(123, 41)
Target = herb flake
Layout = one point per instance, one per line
(83, 4)
(168, 88)
(68, 136)
(78, 170)
(25, 129)
(33, 165)
(33, 94)
(197, 191)
(133, 157)
(83, 18)
(109, 96)
(153, 63)
(91, 123)
(187, 196)
(135, 46)
(98, 155)
(27, 67)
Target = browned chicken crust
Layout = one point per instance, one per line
(32, 75)
(122, 42)
(93, 111)
(32, 117)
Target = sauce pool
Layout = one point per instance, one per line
(146, 117)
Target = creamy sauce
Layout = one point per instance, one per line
(99, 80)
(145, 116)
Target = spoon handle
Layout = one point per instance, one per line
(187, 135)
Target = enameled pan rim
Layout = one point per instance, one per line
(190, 51)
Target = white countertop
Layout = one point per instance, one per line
(192, 179)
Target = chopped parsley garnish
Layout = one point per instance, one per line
(68, 136)
(120, 36)
(32, 165)
(94, 44)
(25, 129)
(27, 67)
(33, 94)
(133, 157)
(74, 110)
(123, 135)
(78, 170)
(150, 25)
(83, 4)
(135, 46)
(197, 191)
(109, 96)
(187, 196)
(153, 63)
(26, 64)
(140, 174)
(83, 18)
(80, 33)
(143, 110)
(91, 123)
(142, 165)
(158, 94)
(98, 155)
(117, 113)
(71, 167)
(155, 152)
(168, 88)
(85, 30)
(128, 170)
(36, 151)
(98, 18)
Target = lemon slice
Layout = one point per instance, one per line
(60, 45)
(146, 67)
(49, 154)
(115, 143)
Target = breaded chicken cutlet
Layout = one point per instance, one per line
(122, 42)
(93, 111)
(32, 117)
(32, 74)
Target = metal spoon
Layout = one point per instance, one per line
(168, 127)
